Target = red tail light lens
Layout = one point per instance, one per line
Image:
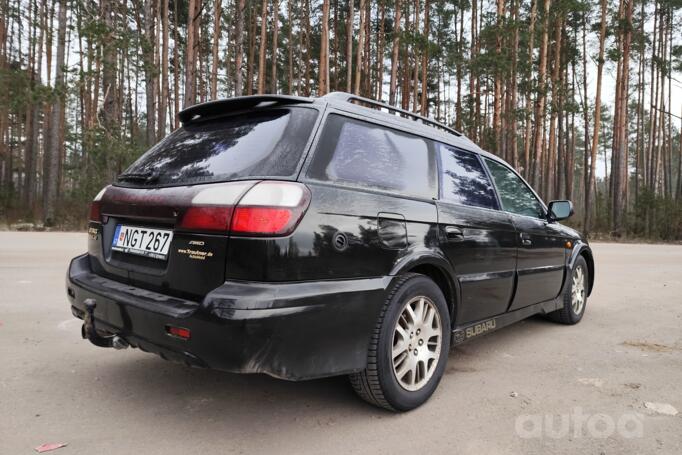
(271, 208)
(96, 207)
(260, 220)
(95, 211)
(207, 218)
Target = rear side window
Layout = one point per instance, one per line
(360, 153)
(265, 143)
(464, 179)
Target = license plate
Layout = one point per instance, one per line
(153, 243)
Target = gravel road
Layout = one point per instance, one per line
(608, 385)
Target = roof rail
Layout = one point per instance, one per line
(355, 99)
(218, 107)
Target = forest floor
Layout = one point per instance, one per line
(610, 384)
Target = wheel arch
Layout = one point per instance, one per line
(440, 271)
(587, 254)
(581, 249)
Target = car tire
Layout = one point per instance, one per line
(574, 296)
(421, 362)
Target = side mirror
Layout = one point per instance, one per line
(560, 210)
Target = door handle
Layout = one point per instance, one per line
(525, 239)
(453, 233)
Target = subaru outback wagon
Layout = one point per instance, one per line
(305, 238)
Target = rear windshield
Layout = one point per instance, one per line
(256, 144)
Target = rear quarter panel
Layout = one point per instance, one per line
(373, 246)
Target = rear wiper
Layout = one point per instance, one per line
(146, 177)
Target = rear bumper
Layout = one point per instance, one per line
(296, 330)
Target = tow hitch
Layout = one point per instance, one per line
(89, 331)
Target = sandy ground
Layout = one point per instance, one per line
(535, 387)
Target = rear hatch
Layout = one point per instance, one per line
(165, 223)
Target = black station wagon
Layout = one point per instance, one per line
(304, 238)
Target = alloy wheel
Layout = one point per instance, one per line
(417, 340)
(578, 290)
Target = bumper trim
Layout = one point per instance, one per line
(81, 275)
(291, 330)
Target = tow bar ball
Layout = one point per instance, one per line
(89, 331)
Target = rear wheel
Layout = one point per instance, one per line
(409, 347)
(575, 295)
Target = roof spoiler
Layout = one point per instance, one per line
(219, 107)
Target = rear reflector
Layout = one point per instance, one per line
(178, 332)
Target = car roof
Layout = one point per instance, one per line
(345, 102)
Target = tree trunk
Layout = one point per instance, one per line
(367, 55)
(361, 45)
(415, 61)
(239, 48)
(381, 43)
(349, 46)
(307, 45)
(472, 72)
(620, 171)
(263, 47)
(290, 47)
(548, 190)
(597, 121)
(150, 70)
(52, 181)
(215, 62)
(275, 42)
(395, 51)
(323, 76)
(252, 51)
(540, 102)
(514, 143)
(650, 178)
(174, 120)
(497, 108)
(527, 142)
(425, 60)
(32, 140)
(190, 63)
(678, 196)
(163, 99)
(335, 49)
(405, 61)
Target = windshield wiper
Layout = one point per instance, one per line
(145, 177)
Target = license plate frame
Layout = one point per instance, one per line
(142, 241)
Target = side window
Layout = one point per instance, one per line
(464, 179)
(356, 152)
(515, 196)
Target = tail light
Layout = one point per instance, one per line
(96, 207)
(268, 208)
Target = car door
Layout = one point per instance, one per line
(478, 239)
(541, 254)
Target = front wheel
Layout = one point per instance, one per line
(409, 346)
(575, 295)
